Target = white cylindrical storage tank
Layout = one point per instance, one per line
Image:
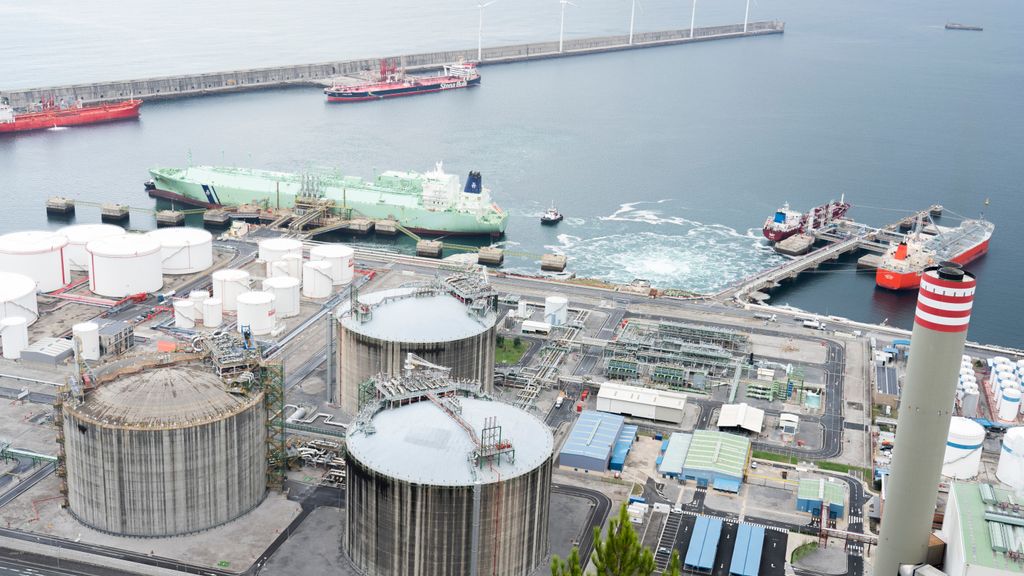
(316, 279)
(78, 236)
(198, 296)
(556, 310)
(184, 250)
(340, 258)
(1000, 360)
(963, 449)
(286, 294)
(87, 337)
(213, 312)
(969, 407)
(120, 266)
(1009, 405)
(293, 262)
(228, 284)
(256, 310)
(522, 309)
(274, 249)
(185, 314)
(14, 334)
(1010, 470)
(37, 254)
(277, 269)
(18, 297)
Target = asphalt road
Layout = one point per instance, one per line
(15, 562)
(598, 515)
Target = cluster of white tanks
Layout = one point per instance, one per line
(1005, 381)
(967, 391)
(963, 449)
(329, 265)
(118, 263)
(198, 307)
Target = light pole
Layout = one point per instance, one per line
(746, 16)
(693, 17)
(480, 30)
(632, 18)
(561, 28)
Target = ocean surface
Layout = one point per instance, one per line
(665, 161)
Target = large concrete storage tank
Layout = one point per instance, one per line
(340, 258)
(164, 452)
(963, 449)
(18, 297)
(184, 250)
(419, 463)
(120, 266)
(78, 236)
(433, 325)
(1010, 470)
(228, 284)
(37, 254)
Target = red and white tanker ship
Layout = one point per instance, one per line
(901, 266)
(786, 222)
(52, 114)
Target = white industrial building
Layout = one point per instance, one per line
(664, 405)
(741, 415)
(980, 528)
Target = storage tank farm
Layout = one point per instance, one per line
(474, 473)
(163, 451)
(451, 323)
(937, 345)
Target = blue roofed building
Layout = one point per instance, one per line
(716, 459)
(622, 447)
(592, 441)
(812, 493)
(746, 553)
(700, 555)
(674, 455)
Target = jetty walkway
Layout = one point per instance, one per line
(323, 74)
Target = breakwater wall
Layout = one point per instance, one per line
(321, 74)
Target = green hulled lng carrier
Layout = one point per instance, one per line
(430, 203)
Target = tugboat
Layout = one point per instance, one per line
(551, 216)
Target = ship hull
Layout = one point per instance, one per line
(821, 215)
(73, 117)
(442, 84)
(410, 216)
(892, 280)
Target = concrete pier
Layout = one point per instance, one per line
(324, 73)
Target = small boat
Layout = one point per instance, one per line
(955, 26)
(551, 216)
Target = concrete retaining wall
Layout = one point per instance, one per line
(321, 74)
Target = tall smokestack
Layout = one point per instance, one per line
(936, 348)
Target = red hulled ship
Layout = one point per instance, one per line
(54, 115)
(786, 222)
(902, 264)
(394, 82)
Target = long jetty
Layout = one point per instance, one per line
(862, 238)
(166, 87)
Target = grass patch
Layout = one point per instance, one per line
(509, 351)
(845, 468)
(803, 550)
(764, 455)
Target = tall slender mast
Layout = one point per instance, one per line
(693, 17)
(561, 27)
(632, 18)
(746, 16)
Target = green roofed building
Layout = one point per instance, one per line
(981, 527)
(812, 493)
(717, 459)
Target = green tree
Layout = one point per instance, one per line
(570, 567)
(619, 553)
